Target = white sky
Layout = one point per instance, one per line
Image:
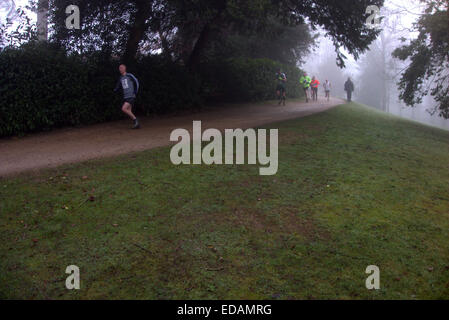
(4, 4)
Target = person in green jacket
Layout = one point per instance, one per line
(305, 81)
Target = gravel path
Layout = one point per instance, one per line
(51, 149)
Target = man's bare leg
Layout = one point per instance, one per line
(126, 108)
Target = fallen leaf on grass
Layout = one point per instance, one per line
(215, 269)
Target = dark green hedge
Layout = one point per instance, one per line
(245, 79)
(42, 88)
(166, 87)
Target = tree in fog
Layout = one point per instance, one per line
(428, 58)
(378, 70)
(17, 28)
(42, 20)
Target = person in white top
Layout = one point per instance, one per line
(327, 89)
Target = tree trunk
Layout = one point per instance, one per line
(137, 30)
(164, 44)
(201, 44)
(384, 73)
(42, 20)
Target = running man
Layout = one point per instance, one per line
(315, 83)
(305, 81)
(130, 87)
(280, 90)
(327, 89)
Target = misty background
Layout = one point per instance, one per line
(376, 73)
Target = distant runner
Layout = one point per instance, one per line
(130, 87)
(349, 87)
(305, 81)
(280, 90)
(315, 83)
(327, 89)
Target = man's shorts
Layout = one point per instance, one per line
(280, 87)
(131, 101)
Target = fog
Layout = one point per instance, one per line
(376, 73)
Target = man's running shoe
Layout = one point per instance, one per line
(136, 124)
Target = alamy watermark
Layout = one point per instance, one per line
(212, 153)
(373, 281)
(73, 280)
(374, 18)
(73, 20)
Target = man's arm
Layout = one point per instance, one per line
(136, 82)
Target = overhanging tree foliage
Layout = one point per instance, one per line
(428, 71)
(286, 44)
(185, 29)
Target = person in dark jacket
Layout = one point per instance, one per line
(130, 86)
(280, 90)
(349, 88)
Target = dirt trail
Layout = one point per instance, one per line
(51, 149)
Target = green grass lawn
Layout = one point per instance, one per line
(355, 187)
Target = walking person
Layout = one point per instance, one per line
(280, 90)
(349, 88)
(314, 84)
(130, 86)
(327, 89)
(305, 81)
